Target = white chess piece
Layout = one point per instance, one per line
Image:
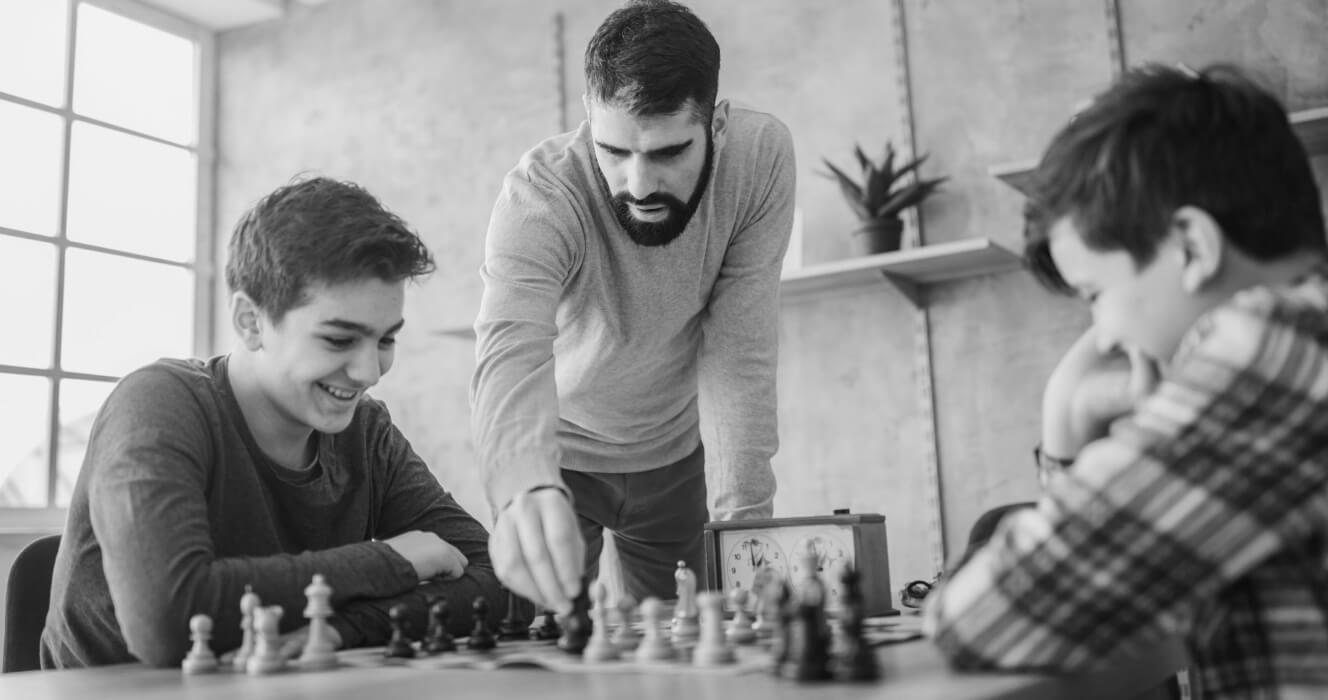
(248, 603)
(685, 627)
(598, 647)
(200, 658)
(741, 630)
(318, 652)
(267, 656)
(711, 647)
(654, 646)
(625, 638)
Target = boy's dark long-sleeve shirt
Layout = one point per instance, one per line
(176, 510)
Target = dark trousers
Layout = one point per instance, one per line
(656, 518)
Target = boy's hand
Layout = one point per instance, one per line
(431, 555)
(1090, 387)
(537, 549)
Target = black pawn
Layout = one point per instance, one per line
(481, 637)
(510, 626)
(547, 628)
(778, 601)
(439, 639)
(857, 660)
(399, 646)
(577, 627)
(809, 650)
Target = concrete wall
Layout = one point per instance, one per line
(429, 102)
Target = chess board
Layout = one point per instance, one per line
(545, 655)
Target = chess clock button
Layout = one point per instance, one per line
(752, 556)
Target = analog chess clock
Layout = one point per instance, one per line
(747, 553)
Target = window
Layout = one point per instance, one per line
(102, 250)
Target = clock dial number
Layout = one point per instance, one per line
(830, 556)
(752, 560)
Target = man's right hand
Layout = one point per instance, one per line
(431, 555)
(537, 549)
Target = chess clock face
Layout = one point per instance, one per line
(752, 558)
(745, 554)
(831, 554)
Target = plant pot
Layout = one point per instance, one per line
(880, 236)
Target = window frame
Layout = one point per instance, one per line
(50, 518)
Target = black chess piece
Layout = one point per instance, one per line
(510, 626)
(547, 628)
(856, 659)
(809, 651)
(399, 647)
(438, 639)
(481, 637)
(577, 625)
(778, 601)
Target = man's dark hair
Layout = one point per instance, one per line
(1162, 138)
(651, 57)
(318, 231)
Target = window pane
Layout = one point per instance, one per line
(24, 425)
(121, 314)
(31, 152)
(130, 193)
(27, 284)
(79, 403)
(32, 49)
(132, 75)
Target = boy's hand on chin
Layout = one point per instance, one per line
(1089, 388)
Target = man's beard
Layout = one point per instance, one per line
(661, 233)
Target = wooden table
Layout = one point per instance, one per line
(912, 670)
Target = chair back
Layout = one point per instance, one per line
(26, 602)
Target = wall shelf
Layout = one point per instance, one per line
(907, 269)
(1311, 125)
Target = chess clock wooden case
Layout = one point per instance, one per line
(740, 553)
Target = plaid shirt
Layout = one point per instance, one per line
(1203, 514)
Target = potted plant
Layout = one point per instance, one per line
(880, 198)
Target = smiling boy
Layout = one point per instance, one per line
(269, 464)
(1194, 411)
(629, 265)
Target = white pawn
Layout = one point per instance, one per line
(318, 652)
(654, 646)
(598, 647)
(711, 648)
(267, 656)
(741, 630)
(625, 638)
(200, 658)
(248, 603)
(685, 627)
